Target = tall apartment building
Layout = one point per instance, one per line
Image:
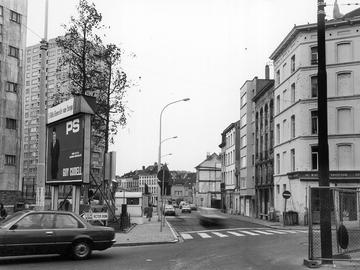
(13, 19)
(56, 81)
(264, 142)
(295, 116)
(230, 161)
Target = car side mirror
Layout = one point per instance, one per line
(14, 227)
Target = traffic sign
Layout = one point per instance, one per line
(166, 174)
(286, 194)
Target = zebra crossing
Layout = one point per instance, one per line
(239, 232)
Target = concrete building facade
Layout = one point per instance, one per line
(208, 180)
(13, 20)
(295, 116)
(56, 82)
(247, 158)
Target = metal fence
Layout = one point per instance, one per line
(345, 222)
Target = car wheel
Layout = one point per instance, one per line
(81, 250)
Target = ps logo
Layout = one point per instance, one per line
(73, 126)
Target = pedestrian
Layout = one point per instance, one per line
(3, 213)
(149, 212)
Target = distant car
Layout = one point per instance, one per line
(169, 210)
(181, 204)
(193, 206)
(210, 216)
(185, 208)
(52, 232)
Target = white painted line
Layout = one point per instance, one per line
(204, 235)
(235, 233)
(249, 233)
(302, 231)
(287, 231)
(278, 232)
(233, 229)
(186, 236)
(263, 232)
(220, 234)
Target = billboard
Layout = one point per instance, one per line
(65, 150)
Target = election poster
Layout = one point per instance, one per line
(65, 150)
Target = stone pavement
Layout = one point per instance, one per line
(147, 233)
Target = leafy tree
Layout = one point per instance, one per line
(94, 69)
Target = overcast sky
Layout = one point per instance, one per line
(199, 49)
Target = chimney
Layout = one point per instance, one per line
(143, 167)
(267, 72)
(208, 154)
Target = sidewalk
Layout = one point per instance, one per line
(147, 234)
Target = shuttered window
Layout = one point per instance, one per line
(344, 120)
(345, 156)
(344, 85)
(344, 52)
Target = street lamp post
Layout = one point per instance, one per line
(159, 154)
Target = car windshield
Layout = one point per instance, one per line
(10, 219)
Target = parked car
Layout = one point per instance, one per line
(52, 232)
(185, 208)
(193, 206)
(169, 210)
(210, 216)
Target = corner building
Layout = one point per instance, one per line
(296, 118)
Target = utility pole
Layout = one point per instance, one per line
(324, 191)
(40, 171)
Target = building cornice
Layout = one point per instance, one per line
(334, 175)
(296, 30)
(315, 137)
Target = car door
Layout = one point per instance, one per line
(32, 234)
(67, 228)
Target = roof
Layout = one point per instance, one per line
(349, 18)
(262, 89)
(209, 158)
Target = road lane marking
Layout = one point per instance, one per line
(287, 231)
(263, 232)
(220, 230)
(204, 235)
(302, 231)
(220, 234)
(278, 232)
(235, 233)
(249, 233)
(186, 236)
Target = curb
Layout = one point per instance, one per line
(175, 234)
(143, 243)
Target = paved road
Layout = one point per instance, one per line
(255, 252)
(190, 222)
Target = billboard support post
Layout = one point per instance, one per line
(76, 199)
(54, 197)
